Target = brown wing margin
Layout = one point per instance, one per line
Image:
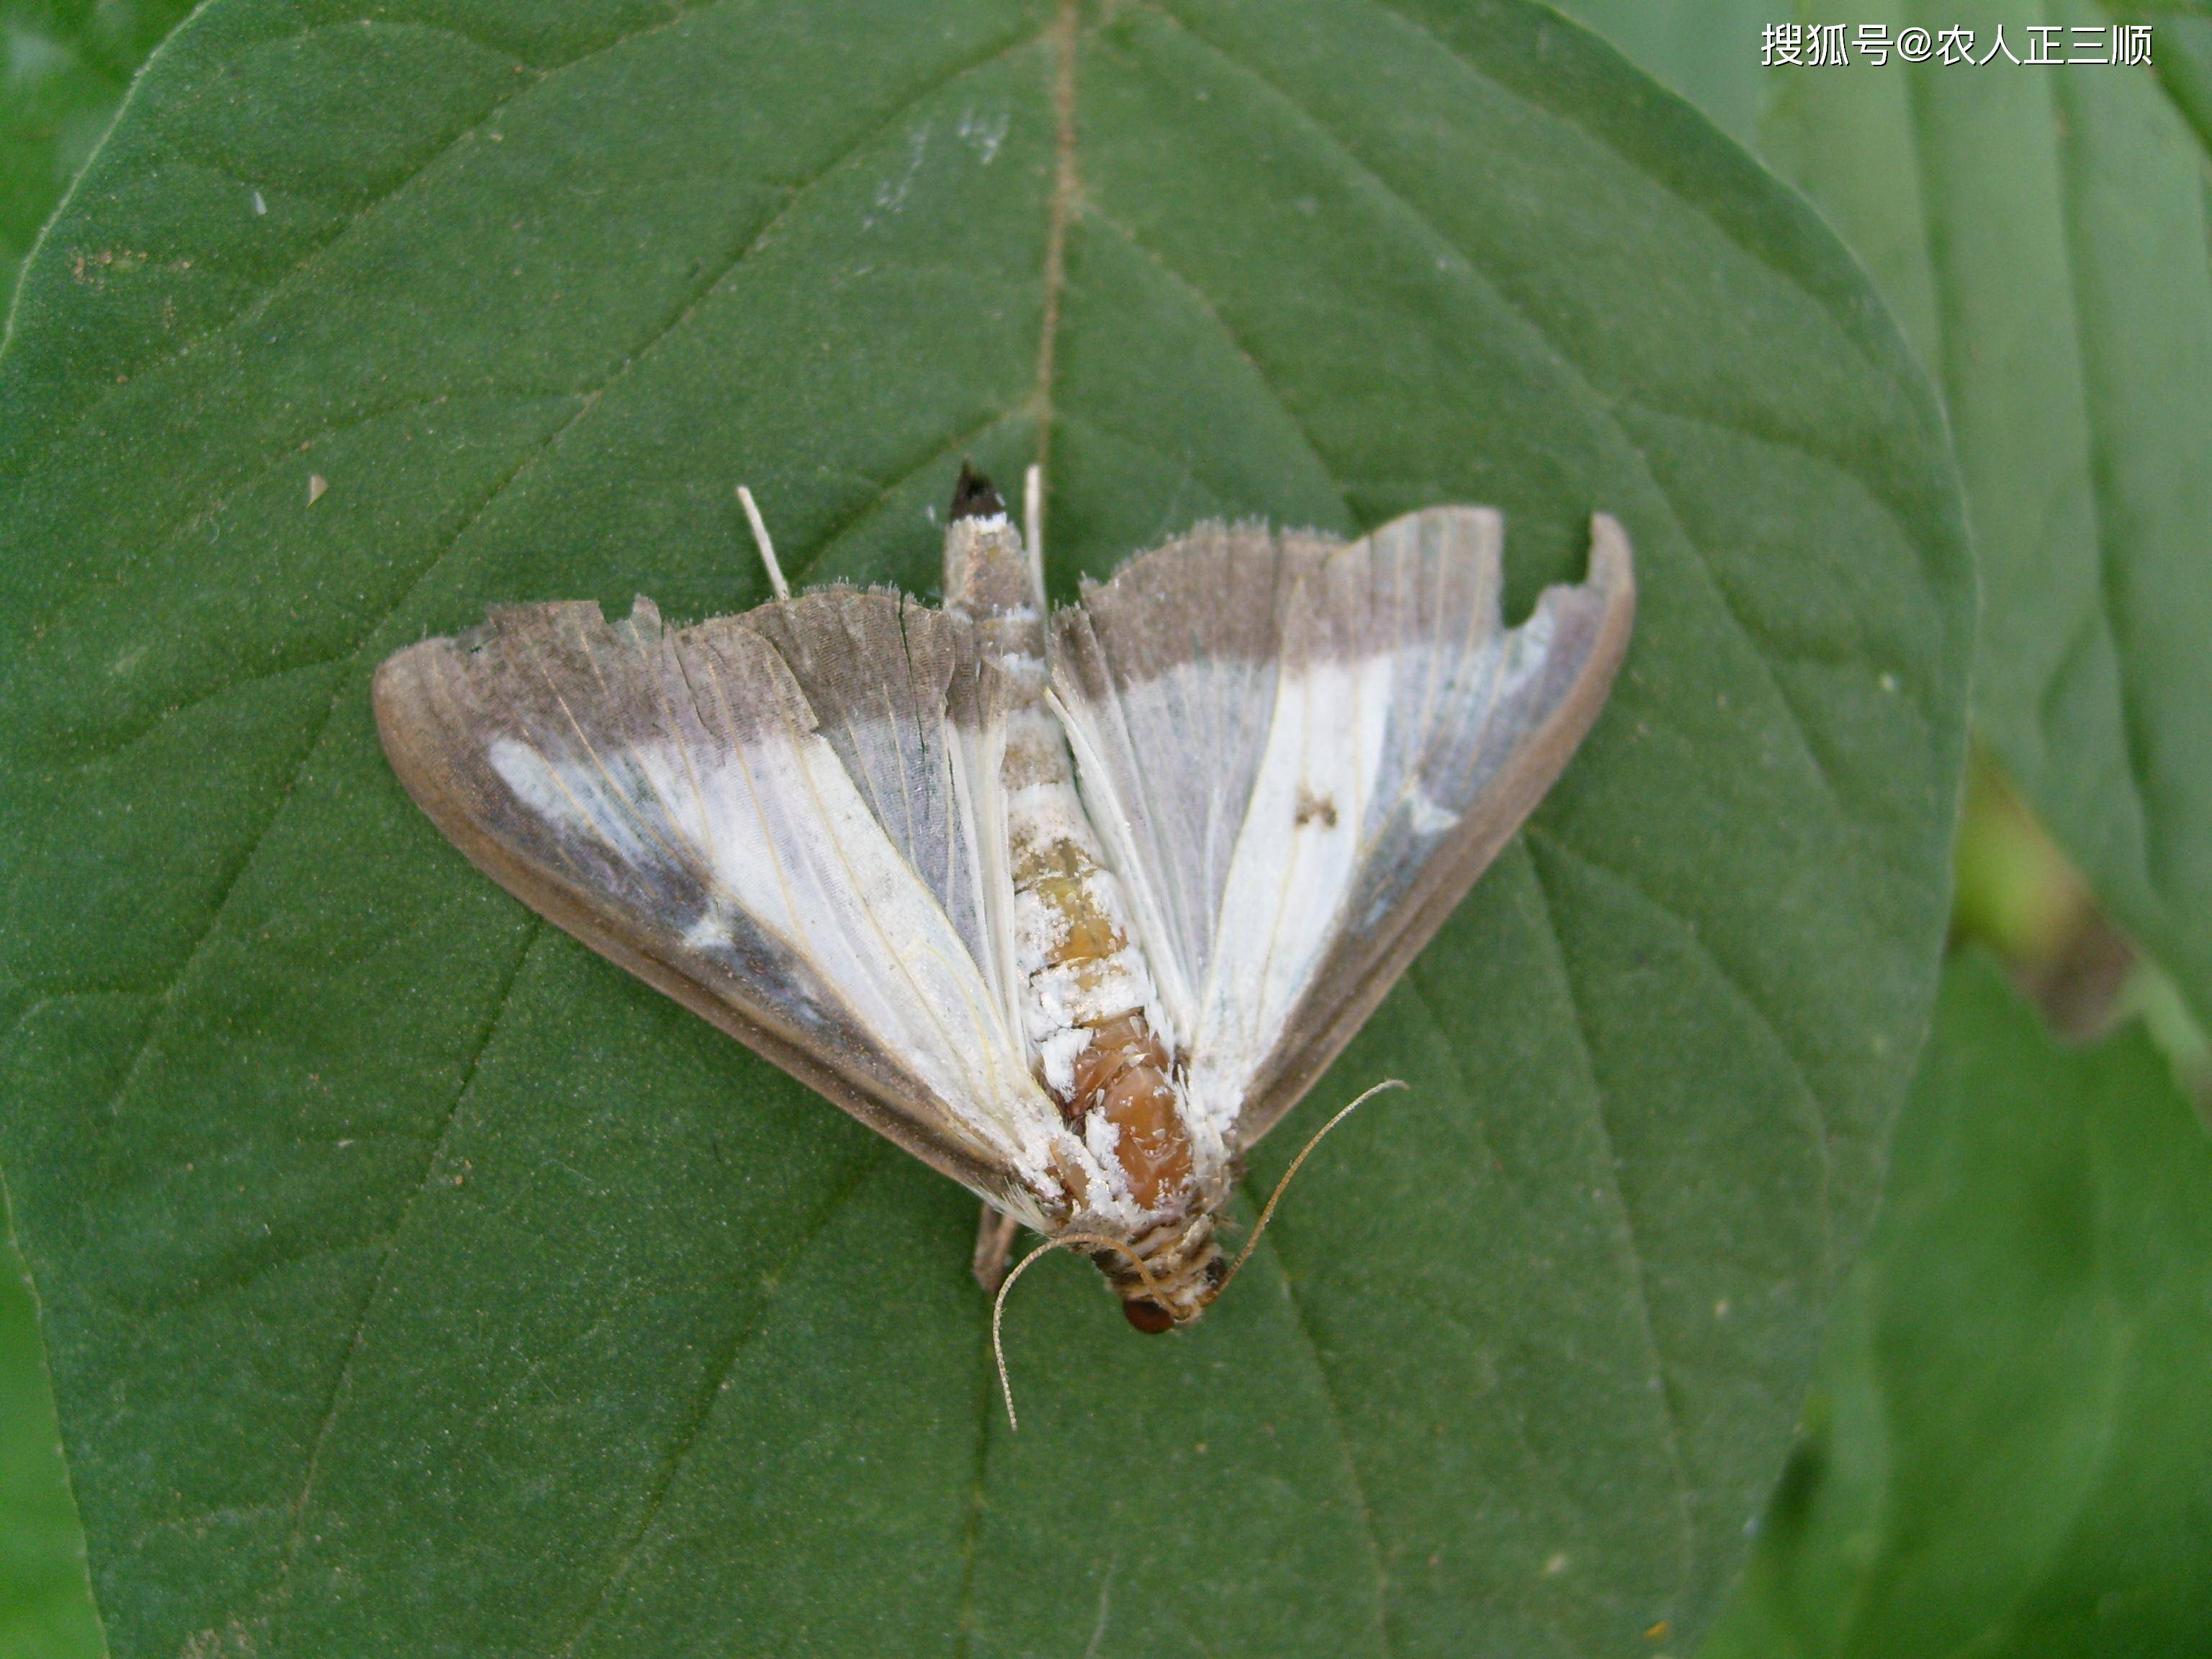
(1590, 627)
(442, 704)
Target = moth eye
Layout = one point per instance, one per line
(1149, 1317)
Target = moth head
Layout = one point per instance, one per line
(987, 573)
(975, 496)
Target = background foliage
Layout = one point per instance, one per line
(2008, 1455)
(2009, 1460)
(1938, 1498)
(67, 64)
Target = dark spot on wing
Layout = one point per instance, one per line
(1312, 808)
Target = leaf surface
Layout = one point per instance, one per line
(2043, 237)
(2006, 1454)
(46, 1605)
(68, 63)
(417, 1283)
(2043, 233)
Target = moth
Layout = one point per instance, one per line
(1073, 905)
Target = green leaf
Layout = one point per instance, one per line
(2044, 234)
(417, 1283)
(1706, 50)
(2043, 237)
(66, 68)
(46, 1605)
(2183, 32)
(2008, 1457)
(67, 65)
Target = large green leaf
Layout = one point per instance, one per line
(2183, 31)
(2044, 234)
(1706, 50)
(2009, 1455)
(45, 1609)
(418, 1284)
(67, 64)
(65, 69)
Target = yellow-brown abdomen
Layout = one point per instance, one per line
(1086, 990)
(1087, 986)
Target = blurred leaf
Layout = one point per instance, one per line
(1706, 50)
(2016, 894)
(418, 1284)
(46, 1605)
(2153, 998)
(2009, 1455)
(2182, 30)
(64, 69)
(66, 64)
(2044, 234)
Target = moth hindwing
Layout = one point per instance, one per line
(1073, 907)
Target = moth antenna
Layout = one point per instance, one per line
(1033, 524)
(999, 1303)
(1274, 1198)
(760, 540)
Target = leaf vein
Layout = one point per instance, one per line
(357, 1339)
(1212, 313)
(713, 1380)
(1066, 186)
(1328, 1380)
(1739, 988)
(1593, 1095)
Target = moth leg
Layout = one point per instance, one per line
(994, 1242)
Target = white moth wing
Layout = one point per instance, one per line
(764, 816)
(1165, 680)
(1301, 754)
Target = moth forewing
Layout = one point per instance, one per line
(1366, 726)
(975, 755)
(1400, 903)
(445, 708)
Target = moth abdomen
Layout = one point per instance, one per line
(1086, 990)
(1183, 1271)
(1123, 1076)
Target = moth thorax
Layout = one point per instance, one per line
(1184, 1269)
(1036, 753)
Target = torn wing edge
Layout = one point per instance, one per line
(1353, 984)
